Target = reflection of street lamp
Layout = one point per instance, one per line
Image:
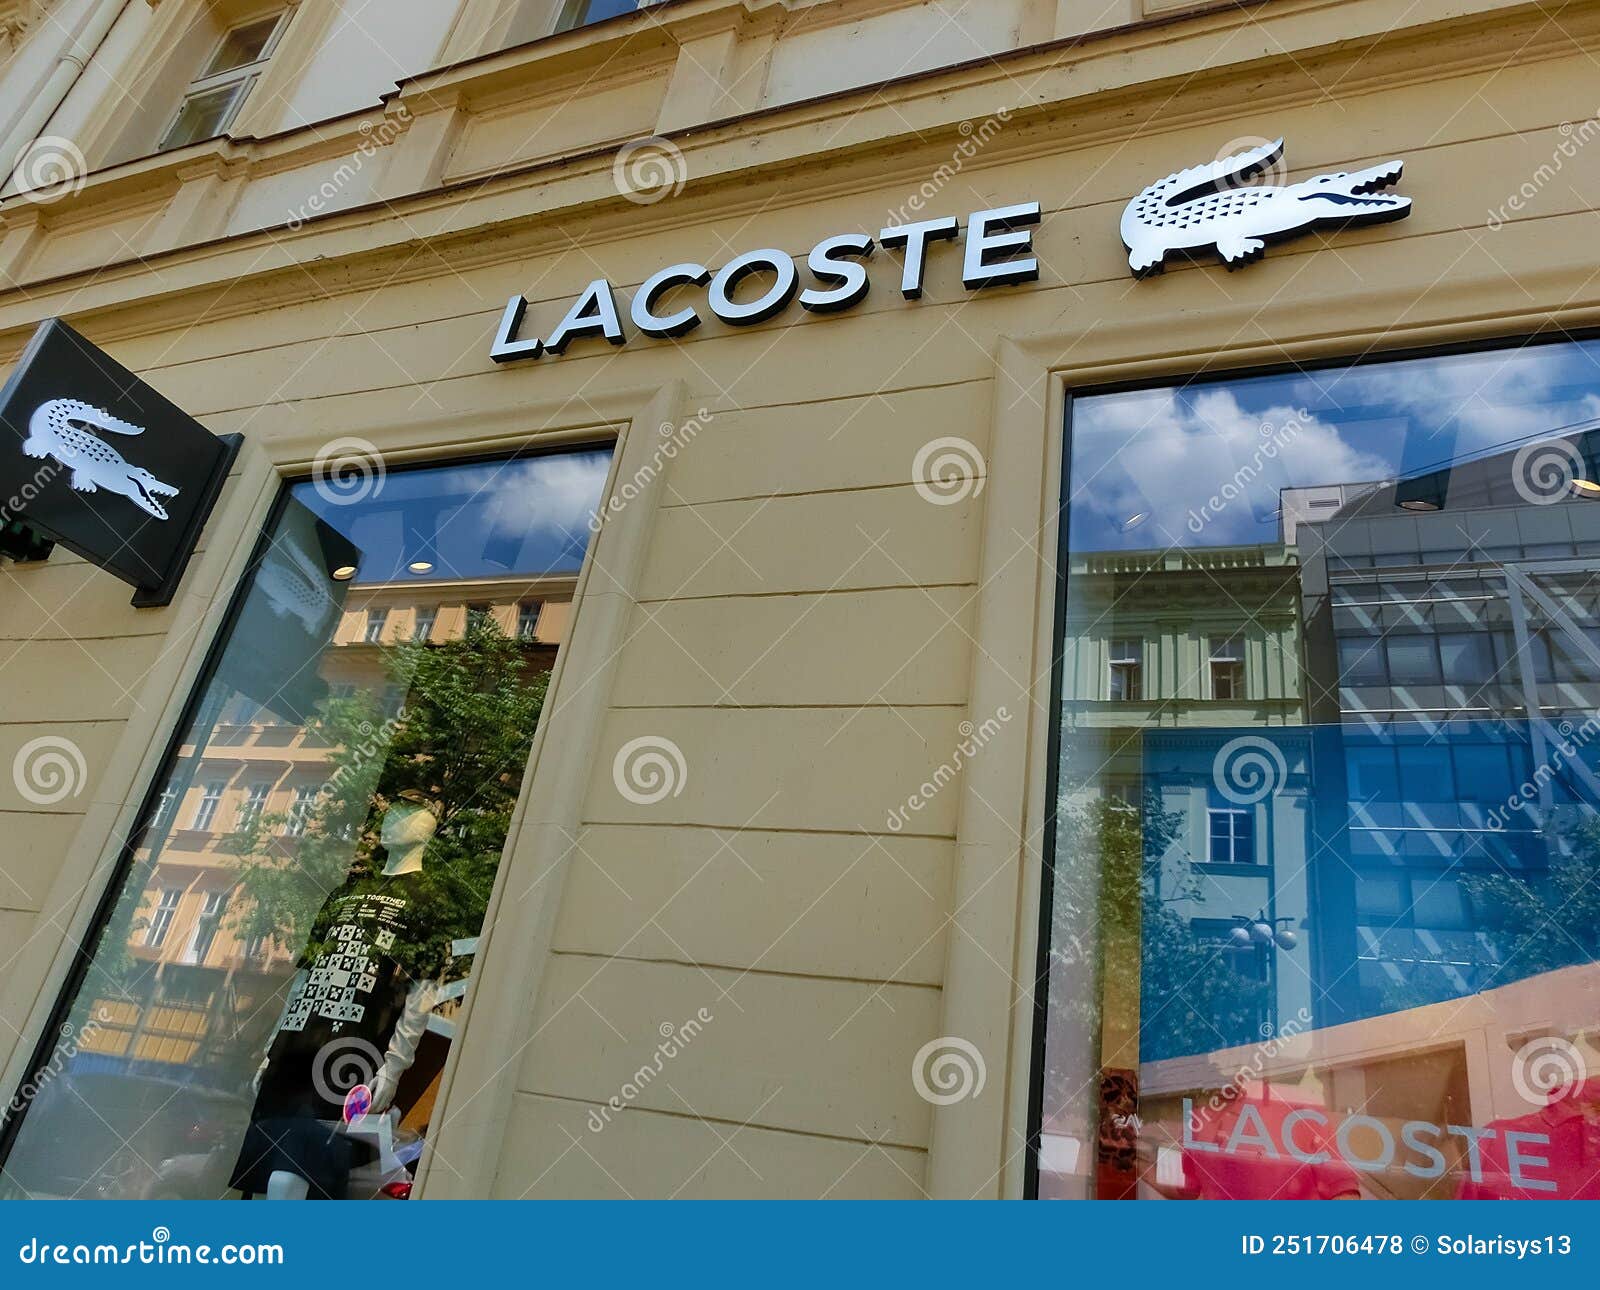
(1261, 931)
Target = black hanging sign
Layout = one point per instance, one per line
(95, 459)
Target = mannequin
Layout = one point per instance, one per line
(362, 989)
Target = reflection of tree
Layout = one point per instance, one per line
(457, 742)
(1119, 873)
(1546, 922)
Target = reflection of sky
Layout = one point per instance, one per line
(1167, 454)
(523, 517)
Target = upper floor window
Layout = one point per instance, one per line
(1127, 662)
(206, 810)
(161, 920)
(215, 96)
(426, 617)
(377, 620)
(527, 620)
(1227, 668)
(580, 13)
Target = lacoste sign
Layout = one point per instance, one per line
(1215, 206)
(756, 286)
(93, 458)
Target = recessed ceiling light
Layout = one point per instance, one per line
(1419, 504)
(1133, 521)
(421, 566)
(1586, 487)
(344, 573)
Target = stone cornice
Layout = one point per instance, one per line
(1082, 90)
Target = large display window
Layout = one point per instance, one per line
(269, 1000)
(1323, 903)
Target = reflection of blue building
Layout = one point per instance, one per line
(1459, 621)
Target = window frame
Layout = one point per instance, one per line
(1306, 357)
(1127, 665)
(242, 79)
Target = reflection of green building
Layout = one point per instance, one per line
(1168, 655)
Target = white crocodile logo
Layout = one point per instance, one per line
(56, 430)
(1211, 205)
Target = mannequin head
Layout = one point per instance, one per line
(407, 829)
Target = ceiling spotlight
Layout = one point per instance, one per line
(421, 566)
(1133, 521)
(344, 573)
(1418, 504)
(1586, 488)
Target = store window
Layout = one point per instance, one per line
(268, 1010)
(1346, 940)
(215, 96)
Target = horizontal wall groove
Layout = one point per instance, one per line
(742, 970)
(634, 1107)
(589, 821)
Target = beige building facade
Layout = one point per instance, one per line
(854, 657)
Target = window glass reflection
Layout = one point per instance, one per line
(269, 1008)
(1342, 941)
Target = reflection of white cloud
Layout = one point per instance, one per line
(1471, 403)
(558, 497)
(1210, 459)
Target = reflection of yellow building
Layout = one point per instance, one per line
(204, 980)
